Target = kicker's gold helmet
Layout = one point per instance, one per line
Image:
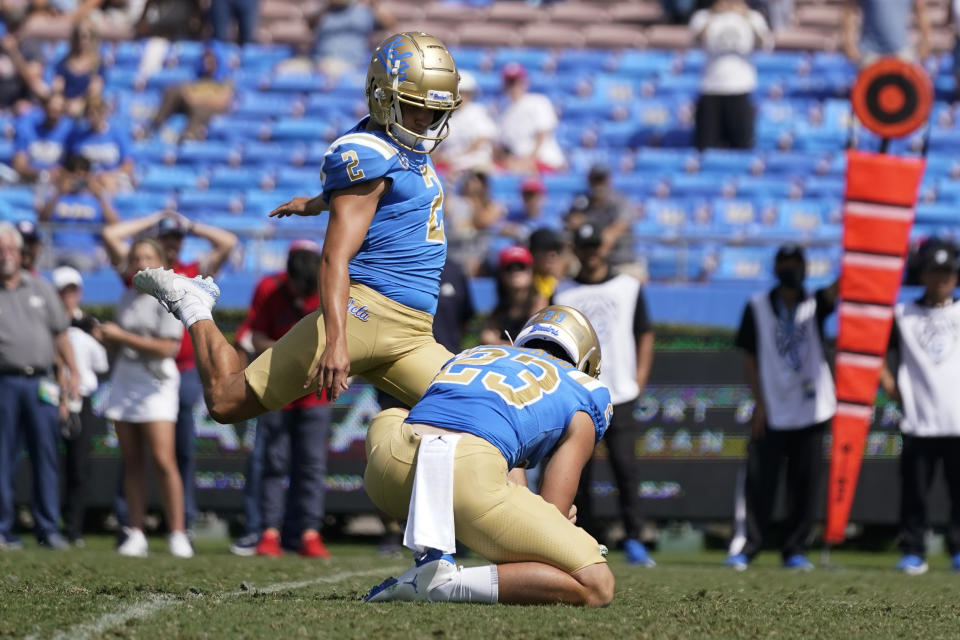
(570, 330)
(415, 69)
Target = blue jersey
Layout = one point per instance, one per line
(403, 253)
(104, 149)
(44, 147)
(76, 207)
(520, 400)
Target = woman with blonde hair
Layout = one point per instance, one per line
(80, 72)
(143, 400)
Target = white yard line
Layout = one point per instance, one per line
(146, 608)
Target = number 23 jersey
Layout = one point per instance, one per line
(519, 400)
(404, 250)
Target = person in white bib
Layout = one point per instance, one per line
(781, 335)
(926, 339)
(615, 305)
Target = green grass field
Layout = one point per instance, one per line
(93, 593)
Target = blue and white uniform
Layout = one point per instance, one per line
(44, 146)
(403, 253)
(519, 400)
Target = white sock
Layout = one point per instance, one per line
(476, 584)
(192, 310)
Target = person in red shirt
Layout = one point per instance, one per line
(295, 437)
(171, 228)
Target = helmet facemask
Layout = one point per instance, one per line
(410, 139)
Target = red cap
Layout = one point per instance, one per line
(304, 244)
(513, 71)
(515, 254)
(533, 185)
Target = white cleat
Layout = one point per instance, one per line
(179, 545)
(416, 583)
(135, 546)
(170, 289)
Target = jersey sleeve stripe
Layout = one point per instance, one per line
(366, 140)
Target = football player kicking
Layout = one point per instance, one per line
(511, 407)
(381, 261)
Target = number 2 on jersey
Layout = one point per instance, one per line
(350, 157)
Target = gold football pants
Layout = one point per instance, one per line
(390, 345)
(498, 519)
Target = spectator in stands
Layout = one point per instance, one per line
(517, 300)
(615, 306)
(172, 20)
(781, 335)
(884, 29)
(143, 398)
(295, 437)
(34, 329)
(925, 342)
(471, 215)
(32, 245)
(105, 144)
(549, 251)
(472, 133)
(78, 429)
(115, 17)
(343, 29)
(529, 216)
(454, 307)
(171, 228)
(528, 126)
(210, 94)
(604, 208)
(21, 65)
(243, 12)
(80, 199)
(79, 74)
(41, 140)
(728, 32)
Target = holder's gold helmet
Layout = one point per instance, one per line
(415, 69)
(570, 330)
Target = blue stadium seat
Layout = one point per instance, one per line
(751, 264)
(662, 214)
(296, 83)
(824, 187)
(138, 203)
(564, 184)
(801, 216)
(262, 56)
(664, 161)
(254, 104)
(779, 63)
(588, 109)
(707, 185)
(636, 186)
(471, 57)
(767, 187)
(728, 161)
(944, 140)
(620, 134)
(170, 76)
(232, 127)
(943, 165)
(533, 59)
(732, 214)
(18, 197)
(644, 63)
(299, 129)
(678, 84)
(267, 153)
(193, 203)
(938, 214)
(208, 152)
(164, 179)
(307, 179)
(505, 185)
(792, 163)
(238, 177)
(6, 151)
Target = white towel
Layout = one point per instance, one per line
(430, 518)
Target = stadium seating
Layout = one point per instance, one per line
(624, 87)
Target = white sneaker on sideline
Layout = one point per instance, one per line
(416, 583)
(135, 546)
(179, 545)
(171, 288)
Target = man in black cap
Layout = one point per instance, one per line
(781, 335)
(607, 210)
(31, 245)
(616, 308)
(926, 341)
(549, 251)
